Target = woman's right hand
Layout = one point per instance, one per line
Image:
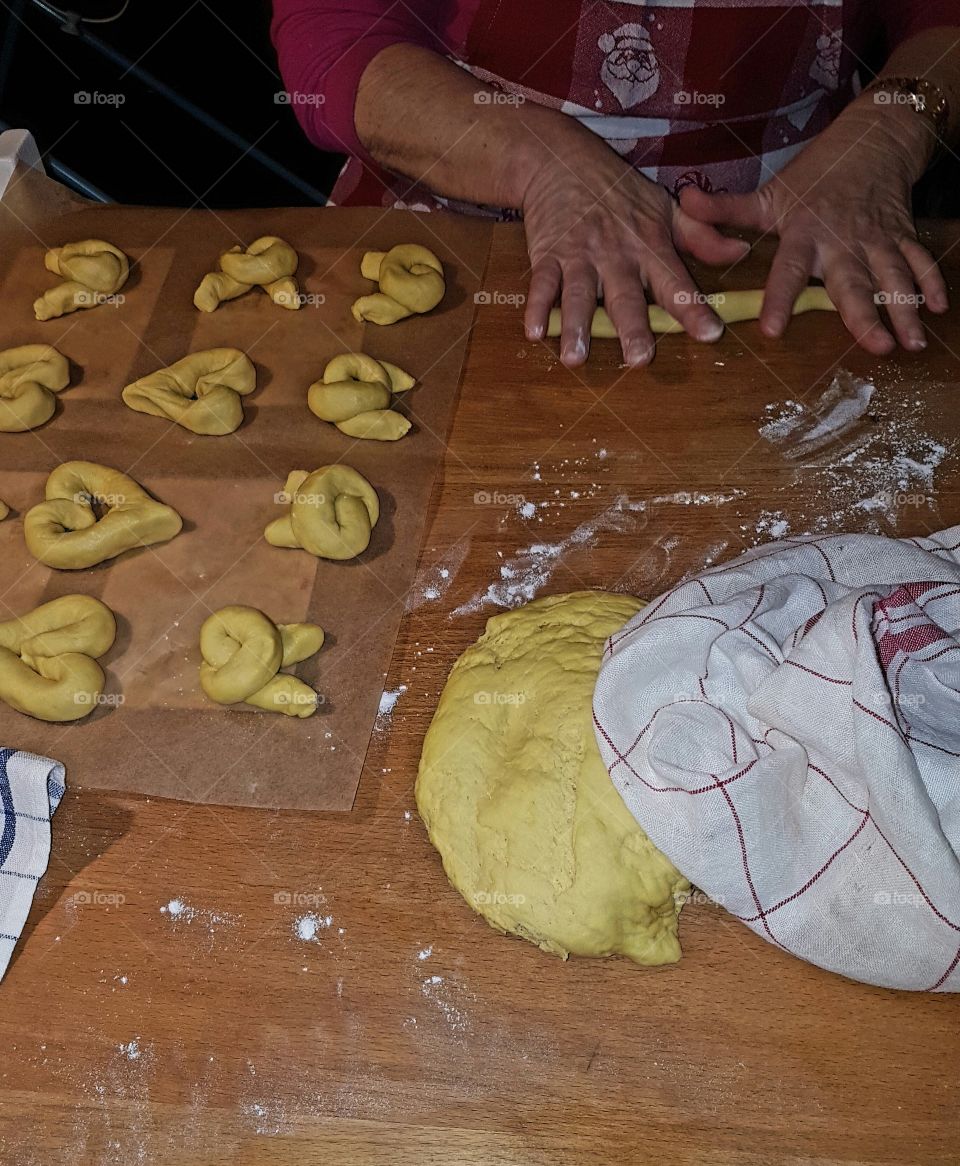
(596, 228)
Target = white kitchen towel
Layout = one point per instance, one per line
(786, 728)
(30, 791)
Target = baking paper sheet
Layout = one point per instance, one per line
(157, 733)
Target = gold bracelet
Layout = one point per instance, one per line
(922, 96)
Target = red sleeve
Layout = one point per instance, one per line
(902, 19)
(324, 46)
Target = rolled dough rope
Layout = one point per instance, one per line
(92, 270)
(268, 262)
(29, 377)
(65, 532)
(48, 667)
(411, 281)
(731, 307)
(331, 513)
(243, 651)
(203, 392)
(355, 394)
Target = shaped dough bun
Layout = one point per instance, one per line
(66, 530)
(48, 667)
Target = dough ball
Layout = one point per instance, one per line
(530, 828)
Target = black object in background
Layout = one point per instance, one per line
(171, 104)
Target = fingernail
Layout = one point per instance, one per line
(576, 351)
(917, 343)
(638, 352)
(535, 332)
(775, 325)
(710, 332)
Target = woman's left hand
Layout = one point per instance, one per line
(842, 212)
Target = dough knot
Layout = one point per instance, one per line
(29, 377)
(92, 270)
(268, 262)
(243, 651)
(48, 658)
(411, 281)
(203, 392)
(355, 394)
(331, 513)
(66, 531)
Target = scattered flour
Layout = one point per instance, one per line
(388, 701)
(862, 469)
(839, 409)
(180, 911)
(306, 927)
(530, 568)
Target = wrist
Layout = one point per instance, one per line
(905, 134)
(552, 143)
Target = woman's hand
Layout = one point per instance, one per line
(842, 211)
(596, 228)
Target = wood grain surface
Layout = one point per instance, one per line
(406, 1031)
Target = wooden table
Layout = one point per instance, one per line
(405, 1030)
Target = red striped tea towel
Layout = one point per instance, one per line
(786, 728)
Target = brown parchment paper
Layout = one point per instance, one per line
(161, 736)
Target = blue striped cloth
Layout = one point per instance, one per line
(30, 791)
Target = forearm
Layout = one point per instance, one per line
(935, 56)
(420, 115)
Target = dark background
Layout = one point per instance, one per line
(215, 54)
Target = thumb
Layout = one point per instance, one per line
(705, 242)
(731, 210)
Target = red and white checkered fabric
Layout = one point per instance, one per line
(786, 728)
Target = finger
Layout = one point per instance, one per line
(732, 210)
(850, 286)
(541, 296)
(789, 275)
(927, 274)
(627, 307)
(705, 242)
(674, 290)
(898, 294)
(578, 302)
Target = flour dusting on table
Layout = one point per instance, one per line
(865, 454)
(530, 568)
